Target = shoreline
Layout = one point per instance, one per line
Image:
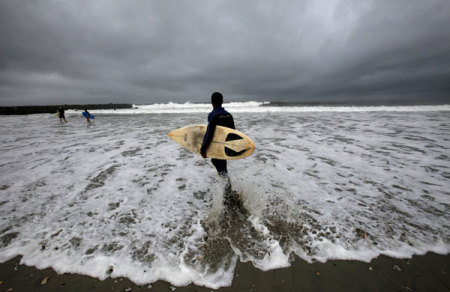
(429, 272)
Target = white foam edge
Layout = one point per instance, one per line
(366, 252)
(98, 266)
(274, 259)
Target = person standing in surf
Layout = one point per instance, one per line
(87, 115)
(61, 114)
(218, 117)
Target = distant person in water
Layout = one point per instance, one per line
(87, 116)
(219, 117)
(61, 114)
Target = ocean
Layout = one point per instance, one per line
(118, 197)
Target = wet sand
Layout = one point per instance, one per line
(430, 272)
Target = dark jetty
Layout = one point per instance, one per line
(50, 109)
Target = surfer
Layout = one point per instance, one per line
(61, 114)
(87, 115)
(219, 117)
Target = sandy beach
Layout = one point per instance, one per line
(429, 272)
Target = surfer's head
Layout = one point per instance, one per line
(216, 99)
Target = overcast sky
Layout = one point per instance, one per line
(84, 51)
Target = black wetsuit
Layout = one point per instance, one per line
(61, 113)
(218, 117)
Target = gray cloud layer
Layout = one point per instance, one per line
(157, 51)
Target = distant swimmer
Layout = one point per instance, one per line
(61, 114)
(219, 117)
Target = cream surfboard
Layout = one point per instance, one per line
(226, 144)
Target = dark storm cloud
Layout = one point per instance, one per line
(158, 51)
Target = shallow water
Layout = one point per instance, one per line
(119, 198)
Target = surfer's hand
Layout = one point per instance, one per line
(203, 155)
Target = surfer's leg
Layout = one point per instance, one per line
(230, 197)
(221, 166)
(227, 180)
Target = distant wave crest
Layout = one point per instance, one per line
(262, 107)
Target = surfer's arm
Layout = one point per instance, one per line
(208, 137)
